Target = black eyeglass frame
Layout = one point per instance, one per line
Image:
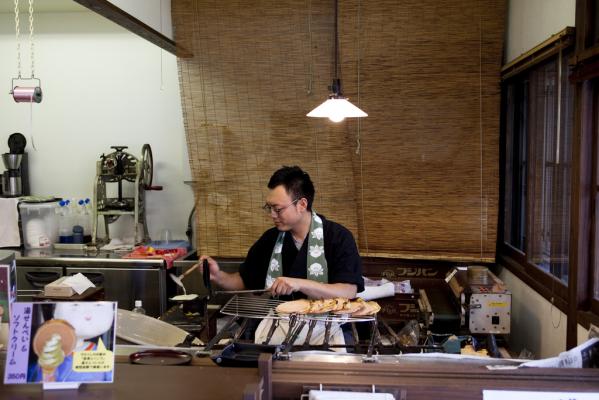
(268, 209)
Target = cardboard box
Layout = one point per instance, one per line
(58, 289)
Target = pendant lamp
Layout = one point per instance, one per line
(337, 107)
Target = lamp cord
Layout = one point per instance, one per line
(336, 46)
(358, 143)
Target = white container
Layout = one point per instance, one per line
(39, 222)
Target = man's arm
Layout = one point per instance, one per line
(312, 289)
(225, 280)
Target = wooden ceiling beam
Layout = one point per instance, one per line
(132, 24)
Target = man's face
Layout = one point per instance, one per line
(285, 211)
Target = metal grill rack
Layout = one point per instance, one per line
(264, 308)
(253, 307)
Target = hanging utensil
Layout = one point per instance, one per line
(206, 278)
(179, 279)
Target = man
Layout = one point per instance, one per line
(304, 255)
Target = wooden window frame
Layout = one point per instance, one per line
(579, 302)
(547, 285)
(582, 307)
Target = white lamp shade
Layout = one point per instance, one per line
(337, 109)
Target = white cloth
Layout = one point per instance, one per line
(317, 337)
(117, 244)
(79, 282)
(378, 292)
(9, 227)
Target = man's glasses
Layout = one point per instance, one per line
(268, 209)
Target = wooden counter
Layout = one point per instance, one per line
(418, 380)
(202, 380)
(288, 380)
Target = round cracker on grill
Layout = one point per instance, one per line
(351, 307)
(301, 306)
(340, 303)
(363, 311)
(322, 306)
(375, 307)
(369, 308)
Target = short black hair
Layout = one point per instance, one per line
(296, 181)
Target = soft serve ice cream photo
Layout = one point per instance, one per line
(75, 345)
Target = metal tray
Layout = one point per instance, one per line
(160, 357)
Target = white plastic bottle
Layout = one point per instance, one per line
(69, 213)
(138, 309)
(84, 220)
(65, 228)
(72, 216)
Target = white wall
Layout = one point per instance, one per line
(530, 22)
(536, 325)
(103, 86)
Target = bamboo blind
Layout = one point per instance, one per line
(418, 178)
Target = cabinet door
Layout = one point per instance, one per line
(31, 280)
(125, 285)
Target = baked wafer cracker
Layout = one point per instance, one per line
(322, 306)
(351, 307)
(340, 303)
(301, 306)
(369, 308)
(375, 307)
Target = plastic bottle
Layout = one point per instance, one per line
(138, 309)
(68, 217)
(88, 215)
(77, 234)
(73, 216)
(83, 220)
(88, 205)
(65, 228)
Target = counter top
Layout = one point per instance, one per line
(425, 379)
(50, 256)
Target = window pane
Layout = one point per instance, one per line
(549, 172)
(515, 168)
(596, 246)
(595, 220)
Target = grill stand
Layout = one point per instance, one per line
(373, 337)
(251, 307)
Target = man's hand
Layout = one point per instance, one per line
(221, 278)
(212, 266)
(284, 285)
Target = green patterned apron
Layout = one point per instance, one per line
(316, 262)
